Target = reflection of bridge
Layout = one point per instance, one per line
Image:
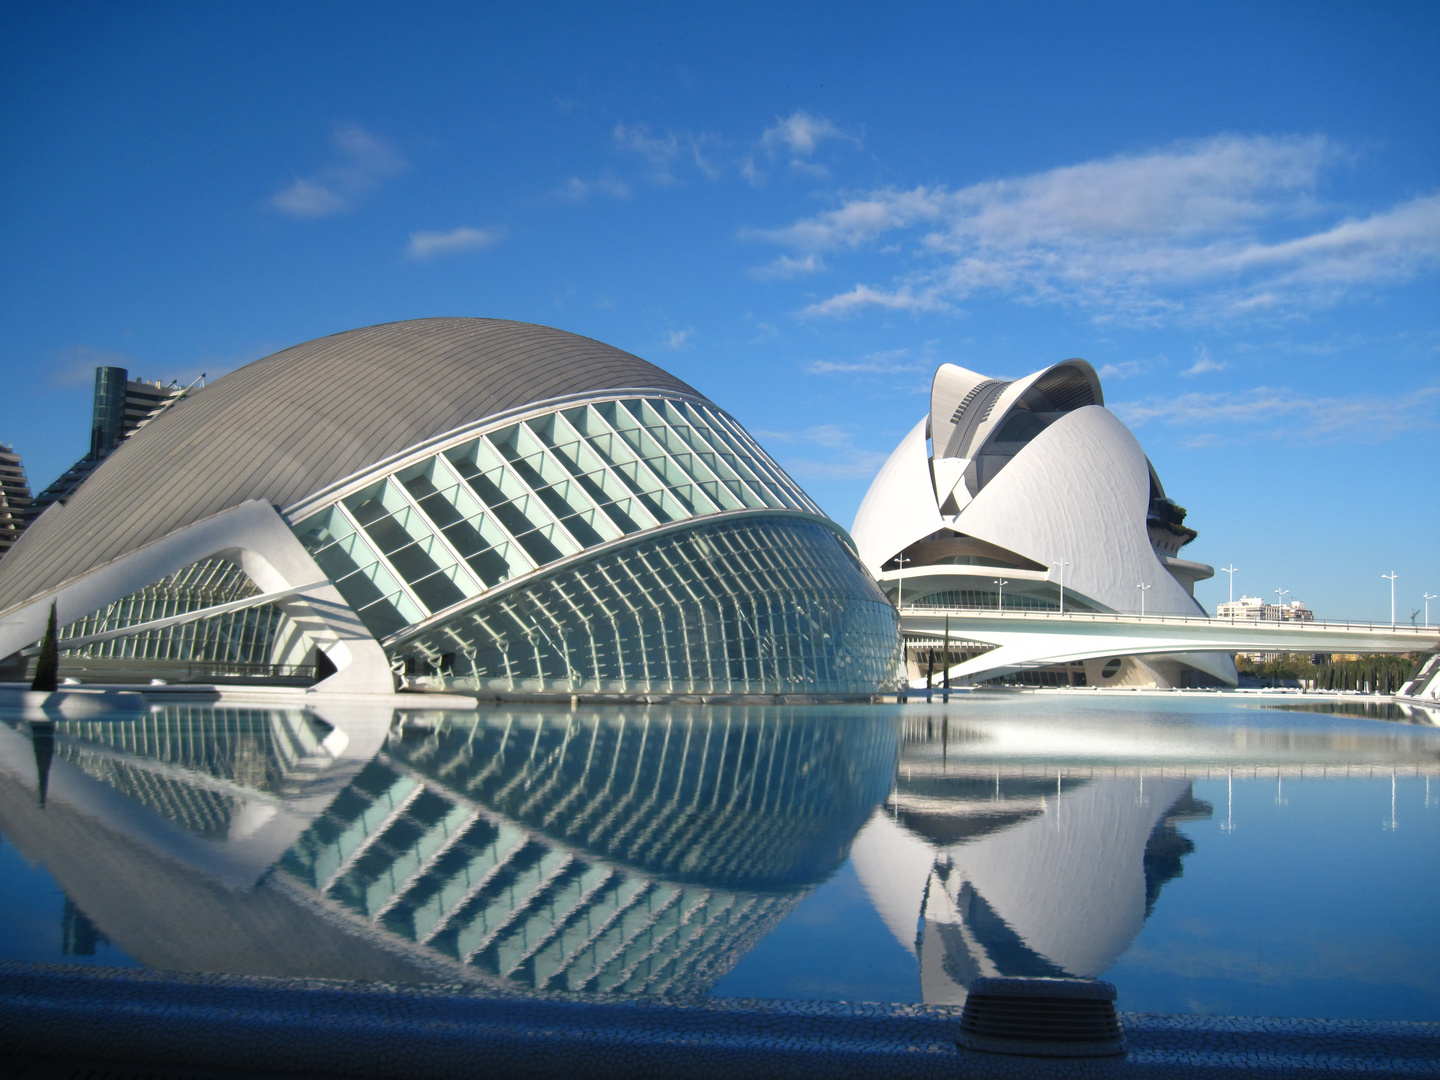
(1030, 639)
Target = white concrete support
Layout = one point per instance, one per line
(256, 538)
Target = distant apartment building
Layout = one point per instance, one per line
(1255, 609)
(122, 405)
(15, 501)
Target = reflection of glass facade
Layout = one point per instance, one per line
(769, 603)
(594, 852)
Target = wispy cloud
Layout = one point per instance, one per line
(678, 339)
(842, 460)
(1225, 227)
(785, 267)
(577, 190)
(426, 245)
(659, 151)
(1266, 413)
(800, 133)
(888, 362)
(1126, 369)
(794, 138)
(1204, 363)
(75, 366)
(362, 161)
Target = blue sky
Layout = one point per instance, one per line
(1232, 210)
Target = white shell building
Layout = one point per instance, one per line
(1002, 483)
(467, 504)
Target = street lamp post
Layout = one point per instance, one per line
(1143, 590)
(1062, 563)
(1280, 595)
(1000, 595)
(1231, 571)
(1392, 576)
(1428, 597)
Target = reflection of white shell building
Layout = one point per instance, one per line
(470, 503)
(1021, 874)
(983, 499)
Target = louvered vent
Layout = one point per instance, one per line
(1042, 1017)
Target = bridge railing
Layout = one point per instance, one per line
(1204, 620)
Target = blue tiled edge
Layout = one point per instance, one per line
(374, 1031)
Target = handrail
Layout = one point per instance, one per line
(1204, 620)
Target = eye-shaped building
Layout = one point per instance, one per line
(1002, 483)
(470, 504)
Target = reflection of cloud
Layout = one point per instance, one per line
(1182, 232)
(426, 245)
(362, 161)
(1278, 959)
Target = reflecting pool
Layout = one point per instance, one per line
(1202, 855)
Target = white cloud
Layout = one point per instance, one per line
(1126, 369)
(843, 460)
(800, 133)
(1204, 362)
(426, 245)
(659, 151)
(861, 296)
(785, 267)
(1280, 413)
(577, 190)
(888, 362)
(361, 162)
(76, 366)
(1219, 228)
(678, 339)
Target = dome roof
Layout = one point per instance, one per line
(284, 428)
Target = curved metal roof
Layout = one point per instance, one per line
(285, 427)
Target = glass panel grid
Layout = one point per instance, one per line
(504, 504)
(775, 606)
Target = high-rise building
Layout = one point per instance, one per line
(15, 501)
(122, 406)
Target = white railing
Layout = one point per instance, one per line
(1202, 620)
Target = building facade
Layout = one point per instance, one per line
(121, 406)
(16, 506)
(462, 504)
(1029, 495)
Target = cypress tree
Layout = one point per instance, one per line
(47, 667)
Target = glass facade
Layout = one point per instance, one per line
(742, 605)
(765, 604)
(257, 635)
(440, 532)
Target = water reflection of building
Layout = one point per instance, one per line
(636, 854)
(631, 854)
(987, 871)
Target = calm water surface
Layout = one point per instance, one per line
(1203, 854)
